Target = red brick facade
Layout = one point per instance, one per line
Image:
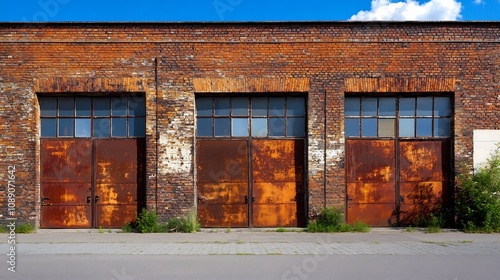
(172, 62)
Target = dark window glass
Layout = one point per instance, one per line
(239, 127)
(369, 106)
(204, 127)
(424, 106)
(101, 107)
(66, 106)
(204, 106)
(82, 127)
(295, 106)
(276, 106)
(259, 127)
(407, 127)
(137, 126)
(222, 127)
(369, 127)
(295, 127)
(424, 127)
(386, 127)
(48, 127)
(101, 128)
(351, 127)
(442, 127)
(119, 127)
(48, 106)
(259, 107)
(352, 106)
(387, 106)
(66, 127)
(276, 127)
(239, 106)
(442, 107)
(119, 106)
(137, 106)
(407, 107)
(82, 106)
(222, 106)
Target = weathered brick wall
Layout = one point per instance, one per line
(169, 56)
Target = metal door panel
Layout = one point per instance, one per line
(222, 183)
(371, 181)
(67, 216)
(277, 182)
(118, 180)
(66, 167)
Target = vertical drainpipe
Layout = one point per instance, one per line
(324, 153)
(157, 136)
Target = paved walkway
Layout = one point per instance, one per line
(377, 242)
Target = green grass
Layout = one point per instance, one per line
(20, 228)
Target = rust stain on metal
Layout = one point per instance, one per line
(251, 84)
(222, 183)
(371, 181)
(277, 184)
(399, 84)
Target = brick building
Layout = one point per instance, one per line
(250, 124)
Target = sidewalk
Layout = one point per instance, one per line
(248, 242)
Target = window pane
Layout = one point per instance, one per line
(369, 106)
(101, 107)
(222, 127)
(239, 127)
(48, 106)
(82, 128)
(239, 106)
(386, 127)
(101, 128)
(407, 127)
(369, 127)
(442, 127)
(204, 106)
(442, 107)
(387, 106)
(137, 126)
(295, 127)
(119, 106)
(204, 127)
(66, 106)
(259, 107)
(277, 106)
(48, 127)
(82, 106)
(137, 106)
(259, 127)
(424, 106)
(66, 127)
(352, 105)
(424, 127)
(295, 106)
(119, 127)
(407, 107)
(222, 106)
(351, 127)
(276, 127)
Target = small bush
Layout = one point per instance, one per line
(478, 198)
(184, 224)
(147, 221)
(20, 228)
(281, 229)
(331, 219)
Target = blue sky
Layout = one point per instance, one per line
(246, 10)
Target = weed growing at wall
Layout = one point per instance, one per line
(478, 198)
(184, 224)
(331, 219)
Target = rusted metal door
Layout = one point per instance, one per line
(119, 170)
(371, 182)
(66, 184)
(424, 178)
(278, 183)
(222, 183)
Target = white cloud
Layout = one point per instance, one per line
(411, 10)
(477, 2)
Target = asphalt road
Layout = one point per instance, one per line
(286, 267)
